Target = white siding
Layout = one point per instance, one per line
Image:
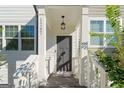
(17, 15)
(99, 11)
(96, 10)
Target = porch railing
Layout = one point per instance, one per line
(48, 59)
(94, 74)
(26, 75)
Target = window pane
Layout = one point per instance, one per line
(11, 31)
(96, 26)
(27, 44)
(0, 44)
(27, 31)
(11, 44)
(0, 31)
(108, 27)
(111, 40)
(96, 40)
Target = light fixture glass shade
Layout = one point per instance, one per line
(63, 24)
(63, 28)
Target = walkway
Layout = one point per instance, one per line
(62, 82)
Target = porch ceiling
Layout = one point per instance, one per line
(72, 17)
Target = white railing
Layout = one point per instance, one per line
(94, 73)
(26, 76)
(48, 59)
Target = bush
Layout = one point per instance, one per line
(111, 64)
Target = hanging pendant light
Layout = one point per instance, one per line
(63, 23)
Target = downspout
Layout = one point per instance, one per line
(36, 28)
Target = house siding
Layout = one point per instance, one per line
(99, 11)
(16, 15)
(96, 11)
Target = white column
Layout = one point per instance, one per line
(83, 44)
(42, 44)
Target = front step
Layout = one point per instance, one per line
(59, 81)
(62, 86)
(64, 74)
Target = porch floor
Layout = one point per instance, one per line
(55, 81)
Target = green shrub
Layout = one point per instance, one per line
(111, 64)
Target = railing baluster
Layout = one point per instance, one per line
(26, 75)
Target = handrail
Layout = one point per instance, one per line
(26, 74)
(94, 59)
(100, 75)
(93, 73)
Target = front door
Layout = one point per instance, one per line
(64, 53)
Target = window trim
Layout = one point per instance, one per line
(104, 31)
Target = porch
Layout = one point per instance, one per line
(62, 52)
(93, 75)
(59, 47)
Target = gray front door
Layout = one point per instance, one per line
(64, 53)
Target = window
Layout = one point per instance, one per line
(27, 44)
(108, 27)
(96, 26)
(1, 37)
(96, 40)
(109, 31)
(110, 40)
(27, 37)
(11, 33)
(1, 31)
(12, 44)
(0, 44)
(101, 27)
(27, 31)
